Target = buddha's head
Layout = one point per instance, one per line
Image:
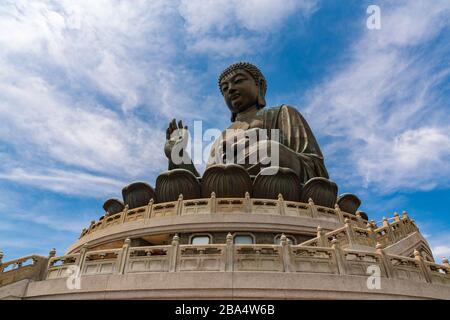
(243, 86)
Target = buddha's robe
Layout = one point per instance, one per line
(298, 148)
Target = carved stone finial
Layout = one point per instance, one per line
(180, 197)
(416, 253)
(52, 253)
(247, 195)
(310, 201)
(319, 228)
(127, 241)
(229, 238)
(445, 262)
(347, 221)
(280, 197)
(175, 239)
(334, 242)
(395, 214)
(213, 194)
(405, 214)
(379, 246)
(283, 239)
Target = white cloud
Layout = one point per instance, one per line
(83, 73)
(225, 47)
(214, 27)
(441, 251)
(86, 136)
(414, 158)
(67, 182)
(383, 111)
(206, 16)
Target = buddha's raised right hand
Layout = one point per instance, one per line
(176, 135)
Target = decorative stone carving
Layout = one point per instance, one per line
(285, 182)
(227, 181)
(170, 184)
(348, 202)
(137, 194)
(113, 206)
(322, 191)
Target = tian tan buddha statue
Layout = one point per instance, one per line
(300, 171)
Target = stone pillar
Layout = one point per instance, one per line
(174, 253)
(388, 229)
(372, 235)
(386, 263)
(148, 210)
(179, 207)
(124, 214)
(82, 258)
(312, 208)
(350, 234)
(446, 264)
(408, 227)
(213, 202)
(51, 254)
(423, 267)
(359, 219)
(281, 208)
(247, 202)
(229, 253)
(339, 213)
(396, 217)
(339, 256)
(286, 253)
(124, 256)
(321, 237)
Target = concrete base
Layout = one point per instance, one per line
(225, 285)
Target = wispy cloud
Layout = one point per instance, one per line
(234, 28)
(384, 111)
(67, 182)
(96, 81)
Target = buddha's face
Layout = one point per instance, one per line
(240, 90)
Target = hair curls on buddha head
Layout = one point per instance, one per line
(257, 76)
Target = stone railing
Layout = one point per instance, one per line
(230, 257)
(29, 267)
(213, 205)
(351, 234)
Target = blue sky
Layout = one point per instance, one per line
(87, 89)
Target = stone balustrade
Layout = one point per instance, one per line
(330, 252)
(29, 267)
(214, 205)
(352, 234)
(230, 257)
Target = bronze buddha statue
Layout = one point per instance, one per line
(243, 87)
(237, 165)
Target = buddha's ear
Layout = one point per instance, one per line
(261, 98)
